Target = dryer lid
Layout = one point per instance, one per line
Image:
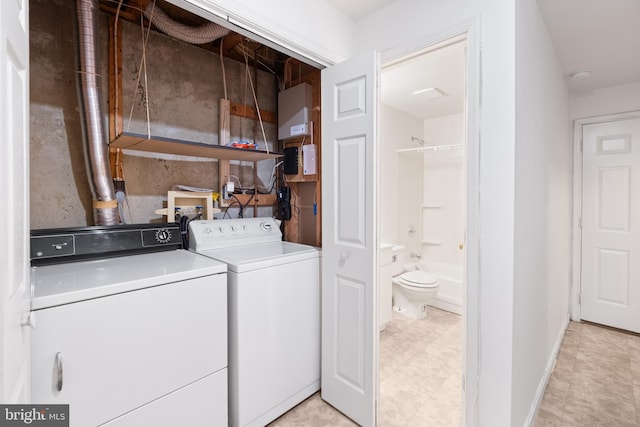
(418, 278)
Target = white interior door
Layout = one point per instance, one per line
(14, 193)
(610, 292)
(349, 312)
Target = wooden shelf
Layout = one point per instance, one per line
(257, 200)
(157, 144)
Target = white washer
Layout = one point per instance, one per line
(274, 315)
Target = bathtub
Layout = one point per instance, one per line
(451, 280)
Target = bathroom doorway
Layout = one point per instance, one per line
(423, 216)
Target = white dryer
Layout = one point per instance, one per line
(273, 315)
(131, 330)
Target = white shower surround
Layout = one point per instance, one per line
(443, 199)
(444, 211)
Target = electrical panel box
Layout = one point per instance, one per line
(294, 111)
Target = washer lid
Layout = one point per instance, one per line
(418, 278)
(241, 259)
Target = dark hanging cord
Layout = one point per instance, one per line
(184, 231)
(184, 228)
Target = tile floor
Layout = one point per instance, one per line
(596, 381)
(420, 377)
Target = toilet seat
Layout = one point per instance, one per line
(418, 279)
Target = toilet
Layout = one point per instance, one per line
(412, 290)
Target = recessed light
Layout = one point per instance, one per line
(430, 92)
(580, 75)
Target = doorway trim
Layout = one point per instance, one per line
(576, 241)
(469, 29)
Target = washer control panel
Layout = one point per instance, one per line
(221, 233)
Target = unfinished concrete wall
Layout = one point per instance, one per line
(60, 194)
(183, 86)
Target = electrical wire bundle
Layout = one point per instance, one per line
(242, 207)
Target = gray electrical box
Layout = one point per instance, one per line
(294, 111)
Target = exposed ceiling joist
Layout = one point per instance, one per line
(234, 45)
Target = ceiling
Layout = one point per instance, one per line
(600, 36)
(442, 69)
(357, 9)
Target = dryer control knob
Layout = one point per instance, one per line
(163, 236)
(265, 226)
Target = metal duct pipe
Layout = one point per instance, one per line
(202, 34)
(89, 83)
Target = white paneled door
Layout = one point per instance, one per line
(349, 316)
(610, 290)
(14, 193)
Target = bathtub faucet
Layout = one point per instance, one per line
(414, 255)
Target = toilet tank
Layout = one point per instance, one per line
(397, 259)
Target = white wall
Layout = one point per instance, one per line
(313, 29)
(401, 186)
(407, 24)
(611, 100)
(542, 210)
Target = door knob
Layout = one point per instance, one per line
(29, 319)
(343, 258)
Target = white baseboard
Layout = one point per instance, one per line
(551, 363)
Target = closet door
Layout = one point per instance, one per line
(14, 193)
(349, 256)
